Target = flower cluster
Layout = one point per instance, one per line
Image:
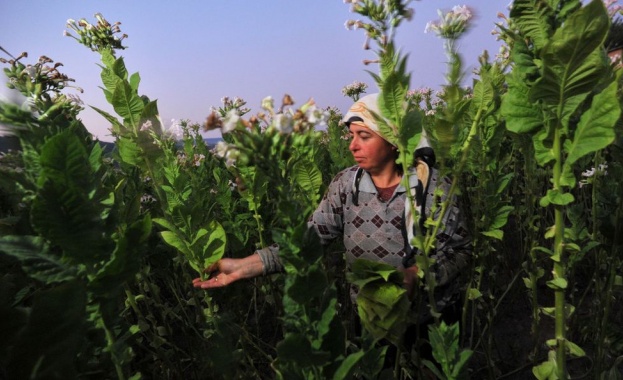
(288, 120)
(385, 17)
(229, 104)
(589, 175)
(429, 101)
(197, 159)
(354, 90)
(452, 24)
(283, 121)
(97, 37)
(38, 79)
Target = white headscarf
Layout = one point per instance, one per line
(362, 113)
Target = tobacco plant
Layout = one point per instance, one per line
(78, 234)
(562, 93)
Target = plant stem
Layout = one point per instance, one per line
(559, 266)
(110, 340)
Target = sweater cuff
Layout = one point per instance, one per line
(270, 260)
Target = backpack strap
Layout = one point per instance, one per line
(423, 171)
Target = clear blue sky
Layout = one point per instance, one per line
(191, 53)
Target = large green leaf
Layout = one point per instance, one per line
(119, 69)
(110, 81)
(37, 261)
(348, 366)
(483, 94)
(297, 348)
(307, 175)
(177, 241)
(533, 17)
(129, 151)
(572, 61)
(135, 80)
(596, 128)
(65, 158)
(392, 99)
(382, 303)
(49, 343)
(125, 259)
(410, 132)
(210, 246)
(63, 210)
(116, 125)
(127, 104)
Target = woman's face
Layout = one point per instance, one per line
(371, 151)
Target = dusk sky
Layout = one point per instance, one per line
(191, 53)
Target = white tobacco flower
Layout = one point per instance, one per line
(590, 173)
(230, 122)
(283, 123)
(431, 26)
(220, 149)
(268, 103)
(175, 131)
(317, 116)
(227, 152)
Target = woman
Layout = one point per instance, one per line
(365, 206)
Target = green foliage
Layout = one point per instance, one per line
(444, 340)
(45, 345)
(381, 299)
(81, 298)
(574, 110)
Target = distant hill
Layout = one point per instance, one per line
(12, 143)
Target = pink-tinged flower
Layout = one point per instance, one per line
(146, 126)
(198, 159)
(453, 24)
(462, 12)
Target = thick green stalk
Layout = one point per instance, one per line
(559, 266)
(430, 238)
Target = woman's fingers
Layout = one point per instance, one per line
(217, 281)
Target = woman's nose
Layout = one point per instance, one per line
(353, 145)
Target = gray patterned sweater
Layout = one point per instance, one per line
(375, 230)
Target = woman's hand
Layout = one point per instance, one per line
(226, 271)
